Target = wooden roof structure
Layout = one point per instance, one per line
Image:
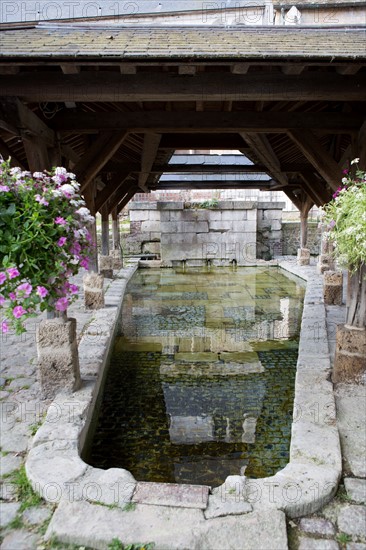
(114, 103)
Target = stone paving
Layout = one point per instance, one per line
(341, 524)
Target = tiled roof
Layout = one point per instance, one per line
(132, 43)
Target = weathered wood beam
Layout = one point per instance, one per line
(123, 189)
(105, 231)
(97, 156)
(315, 189)
(200, 121)
(126, 68)
(262, 149)
(293, 198)
(362, 147)
(187, 69)
(32, 125)
(149, 151)
(225, 142)
(126, 199)
(70, 68)
(292, 68)
(240, 68)
(6, 152)
(110, 188)
(110, 86)
(348, 69)
(70, 154)
(313, 150)
(37, 155)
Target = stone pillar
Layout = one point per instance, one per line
(303, 256)
(117, 259)
(58, 358)
(325, 260)
(333, 288)
(350, 356)
(106, 266)
(93, 291)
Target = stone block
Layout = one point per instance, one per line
(333, 288)
(58, 359)
(194, 227)
(243, 205)
(317, 526)
(356, 489)
(56, 332)
(117, 259)
(171, 494)
(220, 226)
(139, 215)
(93, 291)
(350, 356)
(143, 205)
(105, 262)
(303, 256)
(225, 205)
(173, 205)
(352, 520)
(149, 225)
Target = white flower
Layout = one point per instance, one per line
(38, 175)
(355, 161)
(71, 176)
(60, 171)
(67, 190)
(56, 193)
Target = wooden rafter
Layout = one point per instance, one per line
(149, 151)
(110, 189)
(97, 156)
(313, 150)
(263, 151)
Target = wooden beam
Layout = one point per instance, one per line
(69, 153)
(32, 125)
(240, 68)
(123, 189)
(70, 68)
(315, 189)
(362, 147)
(223, 142)
(126, 68)
(292, 68)
(199, 121)
(348, 69)
(110, 188)
(97, 156)
(126, 199)
(187, 69)
(205, 86)
(313, 150)
(37, 155)
(149, 151)
(262, 149)
(6, 152)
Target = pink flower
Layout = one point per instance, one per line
(2, 277)
(18, 311)
(12, 296)
(41, 200)
(42, 291)
(73, 289)
(4, 327)
(2, 300)
(345, 171)
(75, 249)
(13, 272)
(61, 241)
(24, 289)
(60, 221)
(4, 188)
(62, 304)
(85, 263)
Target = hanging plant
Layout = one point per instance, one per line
(345, 220)
(44, 240)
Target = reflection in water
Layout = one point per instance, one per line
(201, 381)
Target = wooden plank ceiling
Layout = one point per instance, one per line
(115, 120)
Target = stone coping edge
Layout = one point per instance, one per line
(310, 479)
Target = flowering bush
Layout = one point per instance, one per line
(345, 217)
(43, 241)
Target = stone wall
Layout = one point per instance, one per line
(291, 238)
(219, 235)
(232, 230)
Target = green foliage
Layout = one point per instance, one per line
(116, 544)
(130, 507)
(23, 489)
(212, 203)
(343, 538)
(43, 241)
(345, 217)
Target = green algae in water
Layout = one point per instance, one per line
(170, 411)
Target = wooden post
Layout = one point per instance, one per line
(356, 299)
(303, 253)
(116, 236)
(89, 196)
(105, 231)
